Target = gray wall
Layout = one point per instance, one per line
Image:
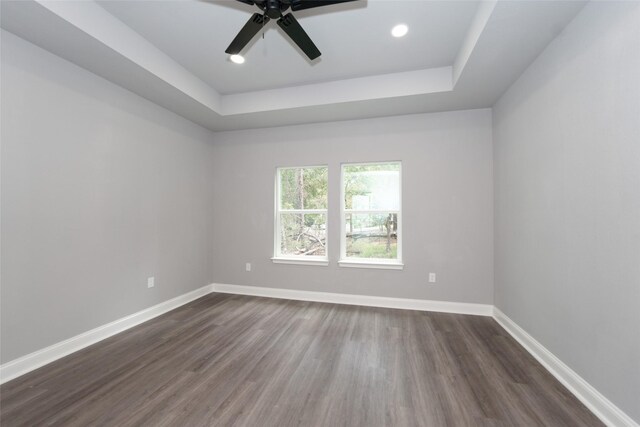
(100, 189)
(447, 204)
(567, 200)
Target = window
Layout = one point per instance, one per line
(371, 219)
(301, 215)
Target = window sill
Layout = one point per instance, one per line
(299, 261)
(388, 265)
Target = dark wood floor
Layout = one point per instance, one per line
(235, 360)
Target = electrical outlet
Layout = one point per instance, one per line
(432, 277)
(151, 282)
(248, 266)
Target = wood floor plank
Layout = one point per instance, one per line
(229, 360)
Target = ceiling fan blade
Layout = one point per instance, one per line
(308, 4)
(250, 29)
(251, 2)
(293, 29)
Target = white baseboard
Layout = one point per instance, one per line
(602, 407)
(24, 364)
(350, 299)
(37, 359)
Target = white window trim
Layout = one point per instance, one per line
(376, 263)
(278, 258)
(380, 263)
(301, 261)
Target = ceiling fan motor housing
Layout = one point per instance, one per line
(274, 8)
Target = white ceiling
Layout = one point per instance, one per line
(457, 55)
(354, 39)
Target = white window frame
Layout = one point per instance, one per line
(278, 258)
(391, 264)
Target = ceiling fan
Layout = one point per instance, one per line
(273, 9)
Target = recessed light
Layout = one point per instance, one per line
(399, 30)
(238, 59)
